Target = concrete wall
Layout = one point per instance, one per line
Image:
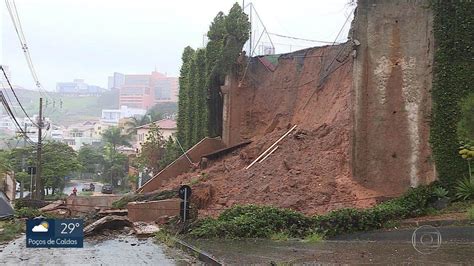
(83, 204)
(182, 165)
(152, 210)
(391, 94)
(8, 185)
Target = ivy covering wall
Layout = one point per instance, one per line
(202, 74)
(453, 81)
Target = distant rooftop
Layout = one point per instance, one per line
(163, 124)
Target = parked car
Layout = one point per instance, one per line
(107, 189)
(90, 188)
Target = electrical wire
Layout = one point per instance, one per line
(300, 39)
(12, 116)
(16, 97)
(13, 11)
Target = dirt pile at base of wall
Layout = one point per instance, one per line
(310, 171)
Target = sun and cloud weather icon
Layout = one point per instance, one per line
(41, 228)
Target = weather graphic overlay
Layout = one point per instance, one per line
(54, 233)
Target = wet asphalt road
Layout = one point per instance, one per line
(124, 250)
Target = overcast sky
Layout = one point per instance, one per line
(91, 39)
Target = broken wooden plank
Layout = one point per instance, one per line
(271, 147)
(53, 205)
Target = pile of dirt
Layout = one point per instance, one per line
(310, 171)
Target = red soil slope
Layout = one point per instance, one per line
(310, 171)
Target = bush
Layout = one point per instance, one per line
(253, 221)
(465, 189)
(27, 212)
(11, 230)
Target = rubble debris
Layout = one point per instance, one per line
(118, 212)
(52, 206)
(145, 229)
(112, 222)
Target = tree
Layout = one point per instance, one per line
(152, 150)
(90, 159)
(58, 160)
(114, 137)
(191, 98)
(171, 152)
(115, 165)
(133, 122)
(466, 124)
(200, 98)
(203, 73)
(183, 96)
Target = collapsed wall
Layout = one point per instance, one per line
(362, 112)
(392, 101)
(310, 171)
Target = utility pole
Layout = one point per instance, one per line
(39, 181)
(23, 161)
(250, 39)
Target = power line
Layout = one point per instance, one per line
(13, 11)
(300, 39)
(16, 97)
(10, 113)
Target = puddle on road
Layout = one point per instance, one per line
(124, 250)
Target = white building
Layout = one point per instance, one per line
(113, 116)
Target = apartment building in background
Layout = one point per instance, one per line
(79, 88)
(144, 90)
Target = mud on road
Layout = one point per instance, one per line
(123, 250)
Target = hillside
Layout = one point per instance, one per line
(74, 108)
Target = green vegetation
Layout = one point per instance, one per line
(203, 72)
(440, 192)
(27, 212)
(465, 188)
(11, 229)
(58, 159)
(280, 236)
(313, 238)
(470, 213)
(164, 237)
(453, 80)
(252, 221)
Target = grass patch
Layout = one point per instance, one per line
(11, 229)
(313, 238)
(164, 237)
(470, 213)
(280, 236)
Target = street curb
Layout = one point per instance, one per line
(194, 251)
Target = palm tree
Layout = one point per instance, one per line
(134, 122)
(114, 137)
